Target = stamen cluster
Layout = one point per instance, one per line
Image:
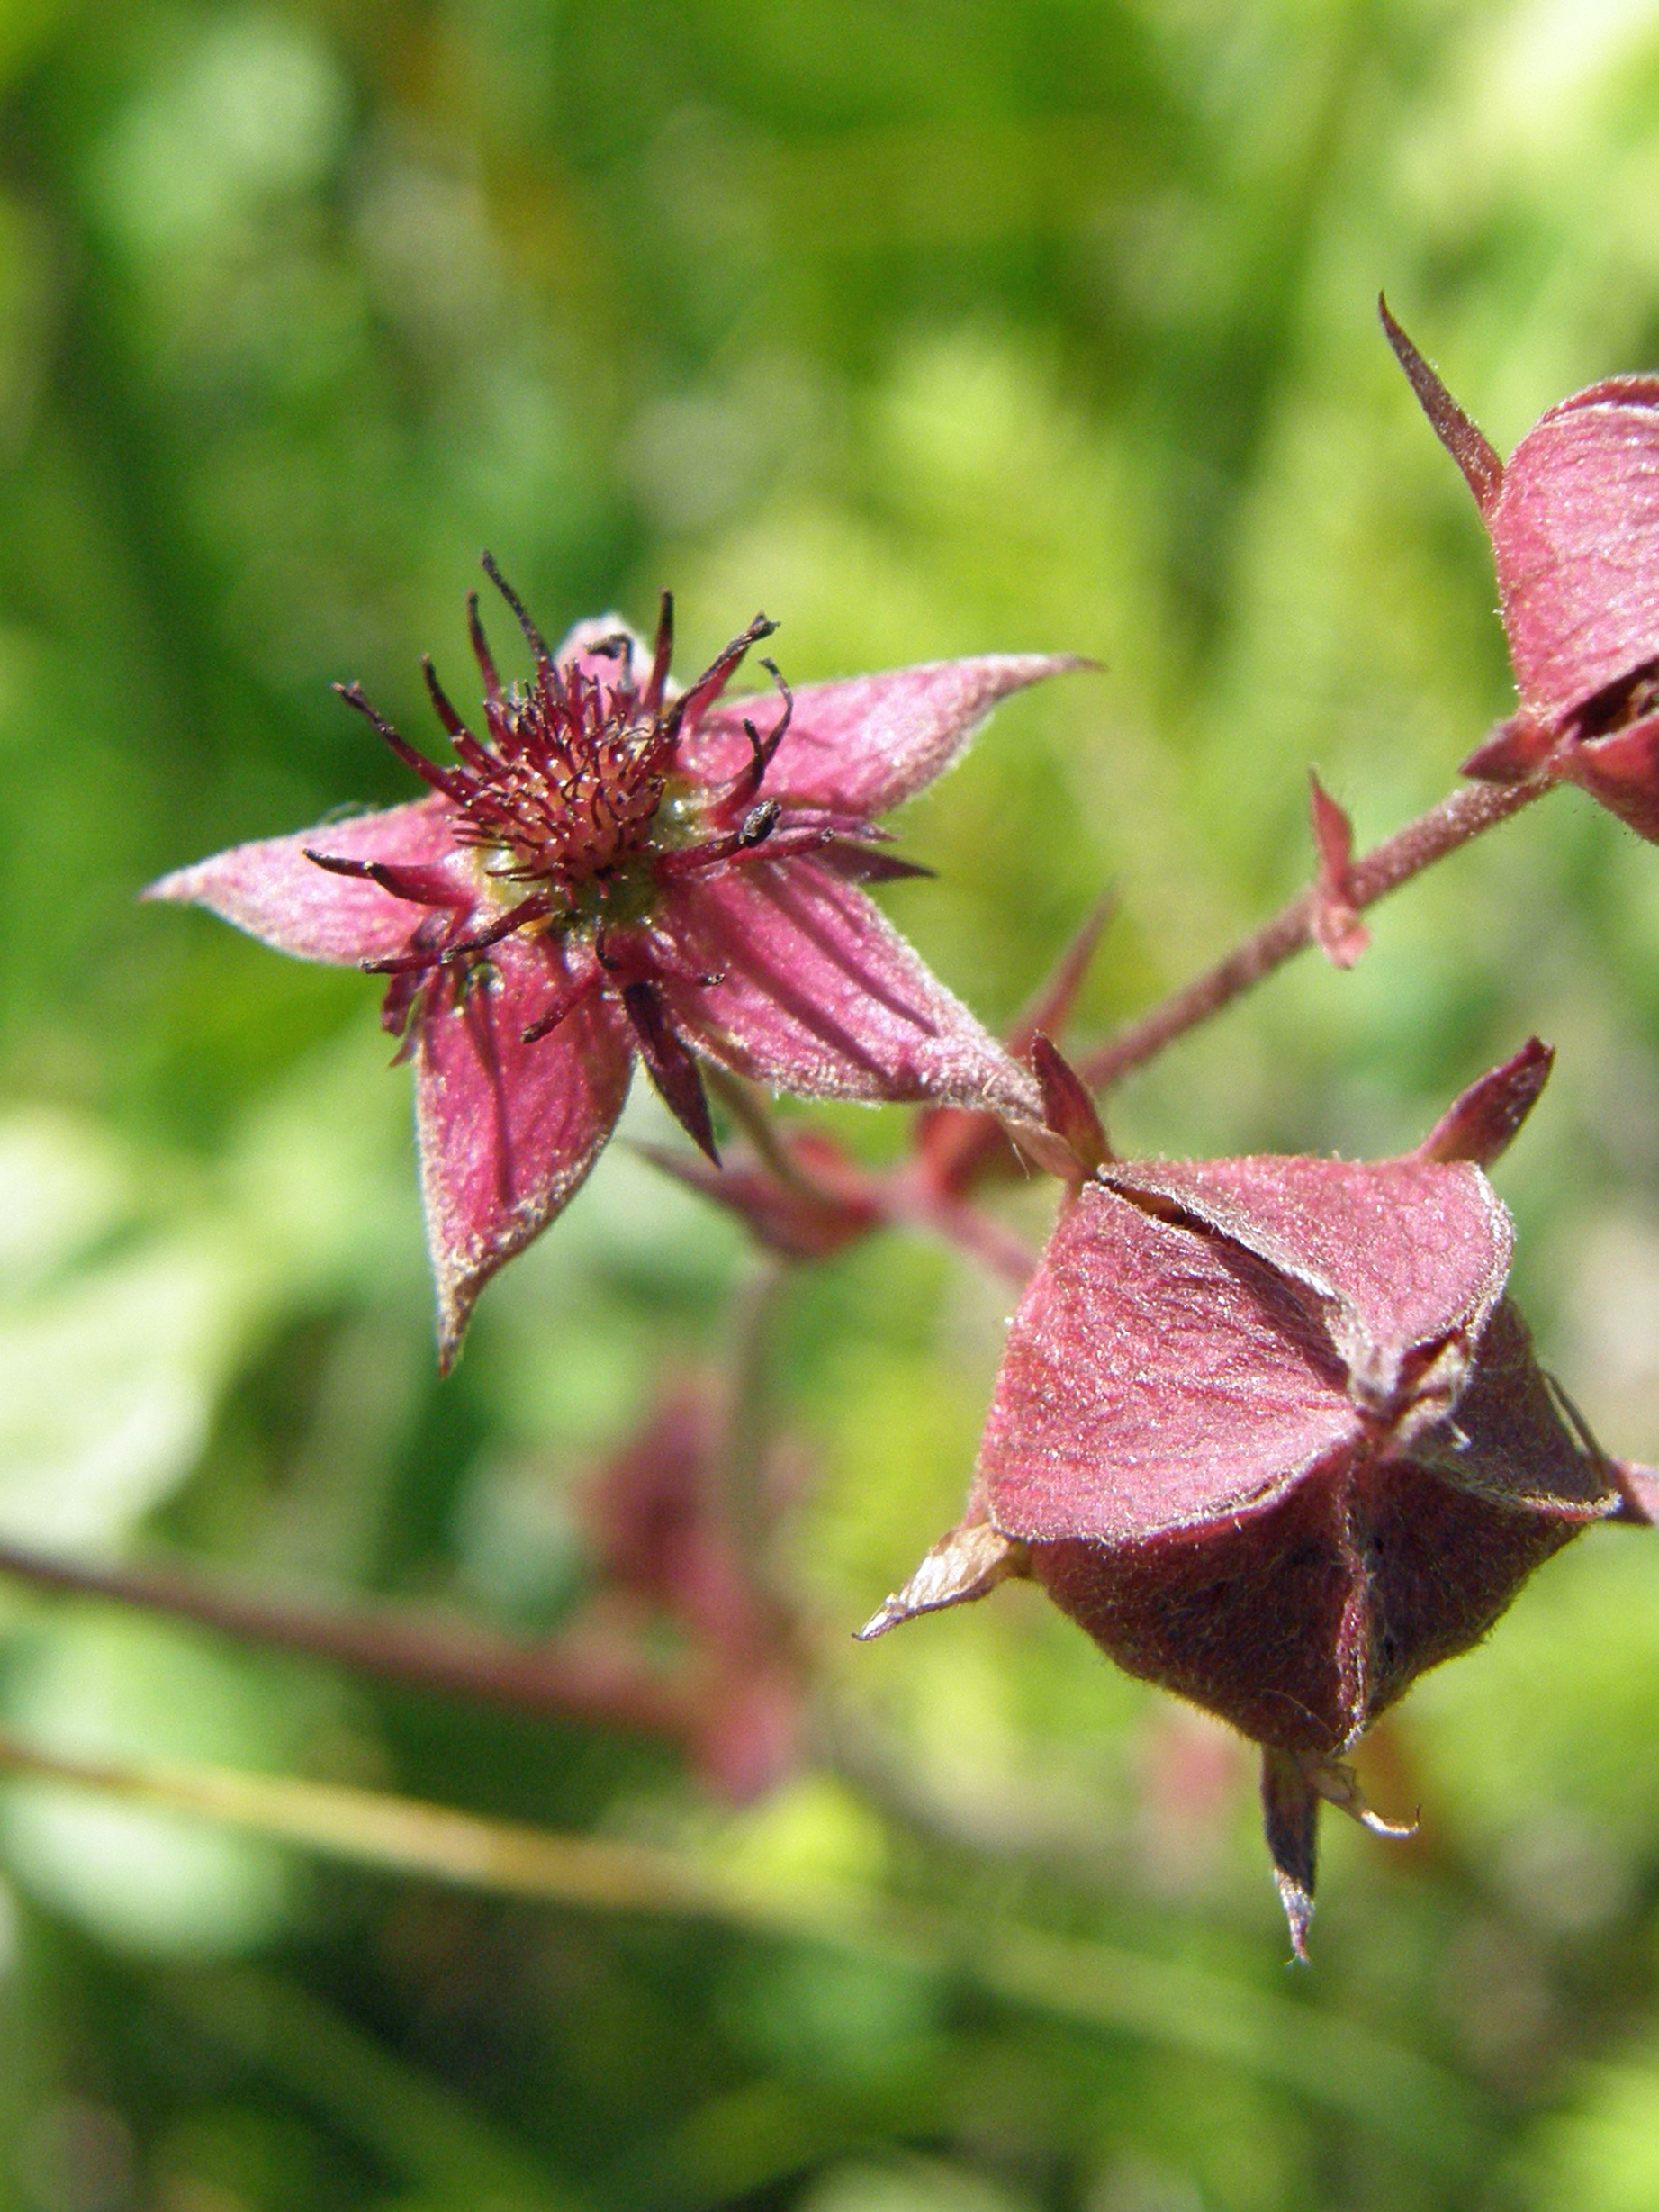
(565, 796)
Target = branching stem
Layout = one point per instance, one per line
(1467, 813)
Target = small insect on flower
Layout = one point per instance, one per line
(613, 867)
(1269, 1430)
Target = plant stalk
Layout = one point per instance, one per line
(1467, 813)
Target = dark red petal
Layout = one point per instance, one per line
(786, 1217)
(508, 1130)
(857, 863)
(1509, 1445)
(272, 889)
(1052, 1009)
(967, 1563)
(862, 745)
(1290, 1821)
(1480, 1125)
(670, 1066)
(818, 995)
(1512, 752)
(421, 887)
(1638, 1492)
(1153, 1380)
(1068, 1107)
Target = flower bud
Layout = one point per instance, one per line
(1269, 1430)
(1573, 520)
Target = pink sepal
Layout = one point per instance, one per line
(270, 888)
(1149, 1387)
(508, 1131)
(862, 745)
(818, 995)
(1394, 1253)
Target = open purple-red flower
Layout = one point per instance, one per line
(616, 866)
(1269, 1430)
(1573, 520)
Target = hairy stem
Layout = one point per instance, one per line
(1469, 811)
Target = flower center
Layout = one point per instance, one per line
(571, 800)
(571, 786)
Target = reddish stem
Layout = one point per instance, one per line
(570, 1679)
(1470, 810)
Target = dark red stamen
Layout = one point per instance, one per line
(656, 684)
(566, 1004)
(537, 642)
(688, 711)
(562, 793)
(444, 779)
(481, 649)
(534, 910)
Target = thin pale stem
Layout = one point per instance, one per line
(568, 1679)
(1467, 813)
(1336, 2065)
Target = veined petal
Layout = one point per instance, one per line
(270, 888)
(864, 744)
(819, 994)
(508, 1130)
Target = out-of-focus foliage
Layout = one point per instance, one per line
(932, 326)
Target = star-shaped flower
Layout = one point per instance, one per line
(616, 866)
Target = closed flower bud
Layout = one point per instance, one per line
(1573, 520)
(1269, 1430)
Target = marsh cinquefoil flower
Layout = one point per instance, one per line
(616, 866)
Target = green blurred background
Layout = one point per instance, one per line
(931, 327)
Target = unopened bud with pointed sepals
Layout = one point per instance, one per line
(1573, 520)
(1270, 1431)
